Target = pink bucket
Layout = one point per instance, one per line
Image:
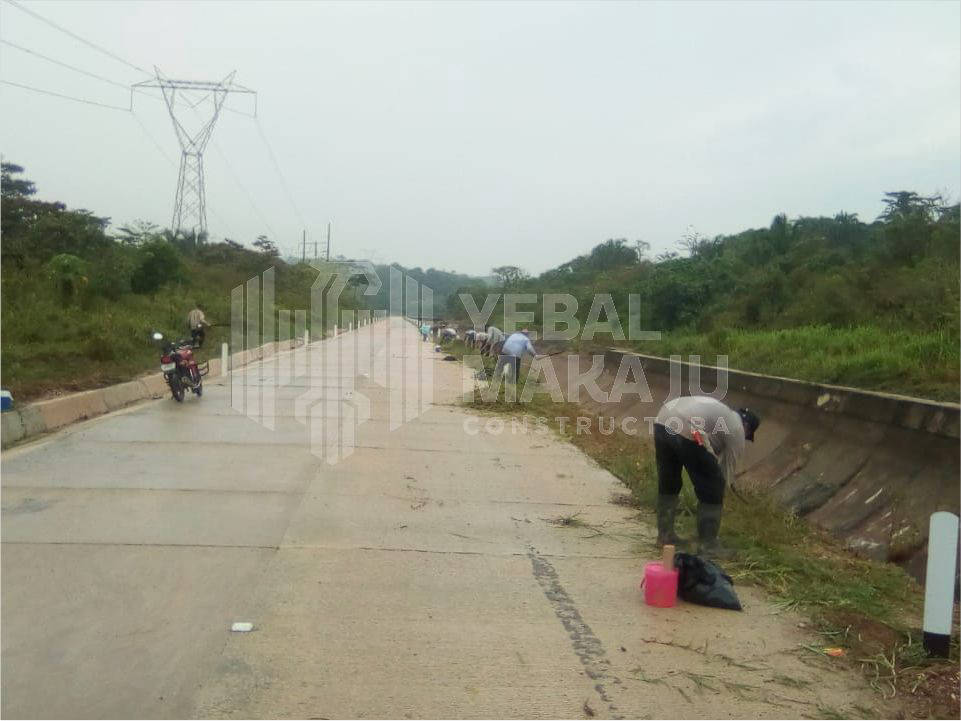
(660, 585)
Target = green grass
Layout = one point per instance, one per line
(926, 364)
(917, 363)
(50, 346)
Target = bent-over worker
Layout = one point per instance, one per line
(705, 437)
(494, 336)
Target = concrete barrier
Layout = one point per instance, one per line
(889, 408)
(11, 427)
(869, 467)
(45, 416)
(124, 394)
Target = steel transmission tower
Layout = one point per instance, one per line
(190, 204)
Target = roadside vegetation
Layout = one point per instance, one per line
(834, 300)
(920, 363)
(79, 302)
(869, 609)
(79, 305)
(873, 305)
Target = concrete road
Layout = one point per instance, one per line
(427, 573)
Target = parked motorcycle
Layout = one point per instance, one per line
(180, 369)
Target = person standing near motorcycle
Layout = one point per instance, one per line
(197, 324)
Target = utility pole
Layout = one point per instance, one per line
(303, 255)
(328, 241)
(190, 203)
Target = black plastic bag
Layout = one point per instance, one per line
(704, 582)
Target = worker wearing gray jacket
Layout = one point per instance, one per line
(705, 437)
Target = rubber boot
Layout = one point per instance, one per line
(666, 513)
(708, 526)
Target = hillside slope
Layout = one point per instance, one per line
(832, 300)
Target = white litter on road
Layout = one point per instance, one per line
(242, 626)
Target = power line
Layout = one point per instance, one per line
(79, 70)
(283, 181)
(76, 37)
(139, 69)
(153, 140)
(133, 115)
(64, 65)
(126, 110)
(193, 103)
(188, 91)
(206, 96)
(253, 203)
(243, 188)
(65, 97)
(172, 163)
(240, 112)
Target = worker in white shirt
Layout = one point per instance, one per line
(515, 348)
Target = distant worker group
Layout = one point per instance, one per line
(699, 434)
(492, 343)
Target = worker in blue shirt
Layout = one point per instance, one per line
(515, 347)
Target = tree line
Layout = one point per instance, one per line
(73, 251)
(898, 270)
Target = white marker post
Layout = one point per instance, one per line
(939, 583)
(224, 355)
(306, 336)
(335, 331)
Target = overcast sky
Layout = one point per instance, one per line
(463, 136)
